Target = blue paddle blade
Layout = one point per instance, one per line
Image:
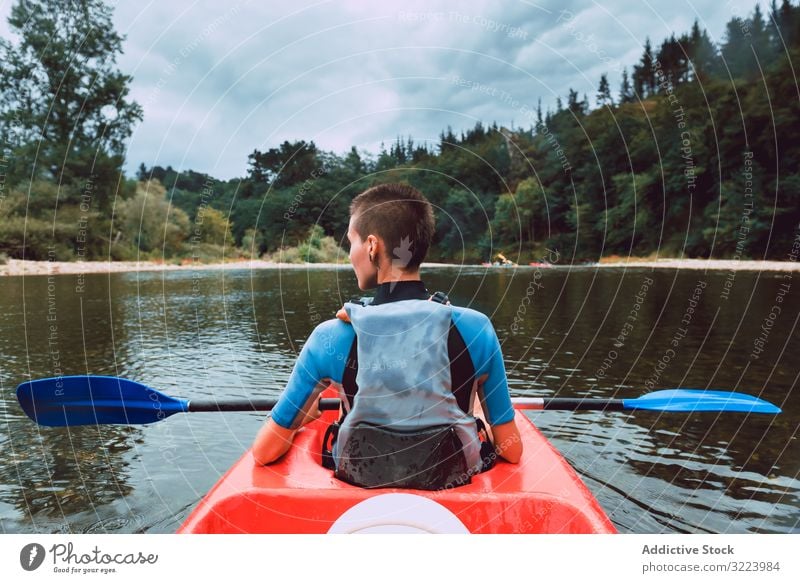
(93, 400)
(689, 400)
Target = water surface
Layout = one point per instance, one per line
(564, 331)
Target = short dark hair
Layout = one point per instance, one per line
(400, 215)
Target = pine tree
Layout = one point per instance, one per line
(573, 104)
(539, 120)
(447, 140)
(604, 92)
(644, 77)
(669, 58)
(760, 41)
(783, 27)
(625, 91)
(703, 56)
(354, 163)
(774, 27)
(789, 24)
(736, 52)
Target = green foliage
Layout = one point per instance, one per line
(31, 228)
(463, 215)
(60, 91)
(666, 174)
(629, 221)
(65, 115)
(211, 226)
(505, 224)
(285, 166)
(42, 240)
(149, 224)
(253, 242)
(316, 248)
(661, 168)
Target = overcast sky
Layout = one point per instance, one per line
(219, 80)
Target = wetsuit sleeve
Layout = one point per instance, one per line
(323, 356)
(487, 358)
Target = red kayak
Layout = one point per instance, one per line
(541, 494)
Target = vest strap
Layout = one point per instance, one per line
(439, 297)
(488, 451)
(331, 433)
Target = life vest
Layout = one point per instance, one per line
(404, 427)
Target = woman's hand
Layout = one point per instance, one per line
(342, 315)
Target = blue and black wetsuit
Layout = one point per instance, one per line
(420, 362)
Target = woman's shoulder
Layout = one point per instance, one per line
(469, 318)
(333, 332)
(333, 326)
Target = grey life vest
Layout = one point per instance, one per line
(405, 396)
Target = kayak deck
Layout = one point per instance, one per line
(541, 494)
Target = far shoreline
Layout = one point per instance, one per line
(18, 267)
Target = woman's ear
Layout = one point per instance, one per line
(373, 248)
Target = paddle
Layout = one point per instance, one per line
(667, 400)
(93, 400)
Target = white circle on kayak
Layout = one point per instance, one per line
(398, 514)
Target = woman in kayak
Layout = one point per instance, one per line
(411, 372)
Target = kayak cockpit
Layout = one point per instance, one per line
(540, 494)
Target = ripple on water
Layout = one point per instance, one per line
(129, 523)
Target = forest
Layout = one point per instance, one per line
(695, 154)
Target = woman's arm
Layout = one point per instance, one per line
(321, 361)
(492, 391)
(273, 440)
(507, 442)
(505, 436)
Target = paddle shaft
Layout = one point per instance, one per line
(567, 404)
(211, 405)
(536, 404)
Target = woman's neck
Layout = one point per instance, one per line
(396, 274)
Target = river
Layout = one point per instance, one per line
(564, 331)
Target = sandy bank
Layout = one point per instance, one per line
(718, 264)
(18, 267)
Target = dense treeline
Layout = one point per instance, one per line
(695, 154)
